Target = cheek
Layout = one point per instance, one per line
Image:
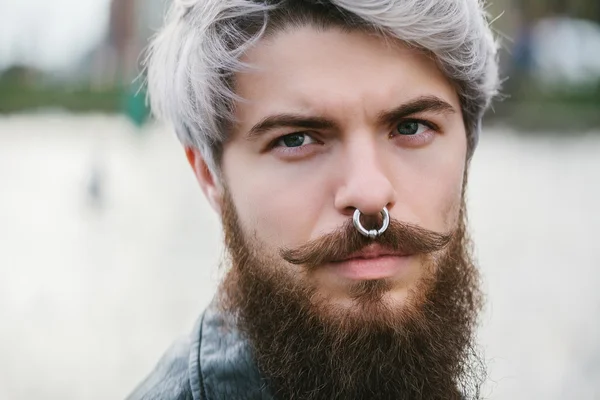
(277, 204)
(450, 203)
(448, 187)
(432, 186)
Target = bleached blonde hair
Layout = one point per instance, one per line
(192, 61)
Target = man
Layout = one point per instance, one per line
(333, 138)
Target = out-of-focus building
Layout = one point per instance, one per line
(116, 61)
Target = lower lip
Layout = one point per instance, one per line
(371, 268)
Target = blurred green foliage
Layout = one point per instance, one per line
(531, 108)
(22, 89)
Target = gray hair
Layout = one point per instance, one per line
(192, 61)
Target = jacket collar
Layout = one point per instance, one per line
(226, 366)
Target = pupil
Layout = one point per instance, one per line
(294, 140)
(408, 128)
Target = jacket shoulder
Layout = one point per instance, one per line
(170, 378)
(176, 376)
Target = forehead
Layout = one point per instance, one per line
(334, 73)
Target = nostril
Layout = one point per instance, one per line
(370, 222)
(348, 211)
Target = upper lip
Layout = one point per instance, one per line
(373, 251)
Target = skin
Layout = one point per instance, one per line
(286, 196)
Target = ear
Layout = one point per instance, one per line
(210, 186)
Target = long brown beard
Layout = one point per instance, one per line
(308, 350)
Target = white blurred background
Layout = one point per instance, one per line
(108, 250)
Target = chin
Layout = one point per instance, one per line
(369, 301)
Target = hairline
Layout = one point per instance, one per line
(194, 57)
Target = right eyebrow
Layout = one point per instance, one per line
(290, 121)
(419, 105)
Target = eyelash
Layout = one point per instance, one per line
(298, 150)
(293, 151)
(428, 124)
(415, 140)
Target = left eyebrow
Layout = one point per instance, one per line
(290, 121)
(422, 104)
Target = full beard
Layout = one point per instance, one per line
(307, 348)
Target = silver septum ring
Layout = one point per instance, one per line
(373, 233)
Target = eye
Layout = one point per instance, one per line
(294, 140)
(411, 128)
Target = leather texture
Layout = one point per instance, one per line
(213, 363)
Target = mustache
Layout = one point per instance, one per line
(340, 244)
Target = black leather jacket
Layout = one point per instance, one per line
(213, 363)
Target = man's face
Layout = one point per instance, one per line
(332, 122)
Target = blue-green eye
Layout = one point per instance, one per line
(410, 128)
(294, 140)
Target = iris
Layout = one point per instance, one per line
(408, 128)
(294, 140)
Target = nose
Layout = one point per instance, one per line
(366, 183)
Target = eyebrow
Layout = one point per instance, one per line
(430, 104)
(422, 104)
(290, 121)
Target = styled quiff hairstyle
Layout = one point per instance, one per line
(192, 61)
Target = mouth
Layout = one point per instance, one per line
(372, 251)
(372, 262)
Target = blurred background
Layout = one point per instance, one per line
(108, 250)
